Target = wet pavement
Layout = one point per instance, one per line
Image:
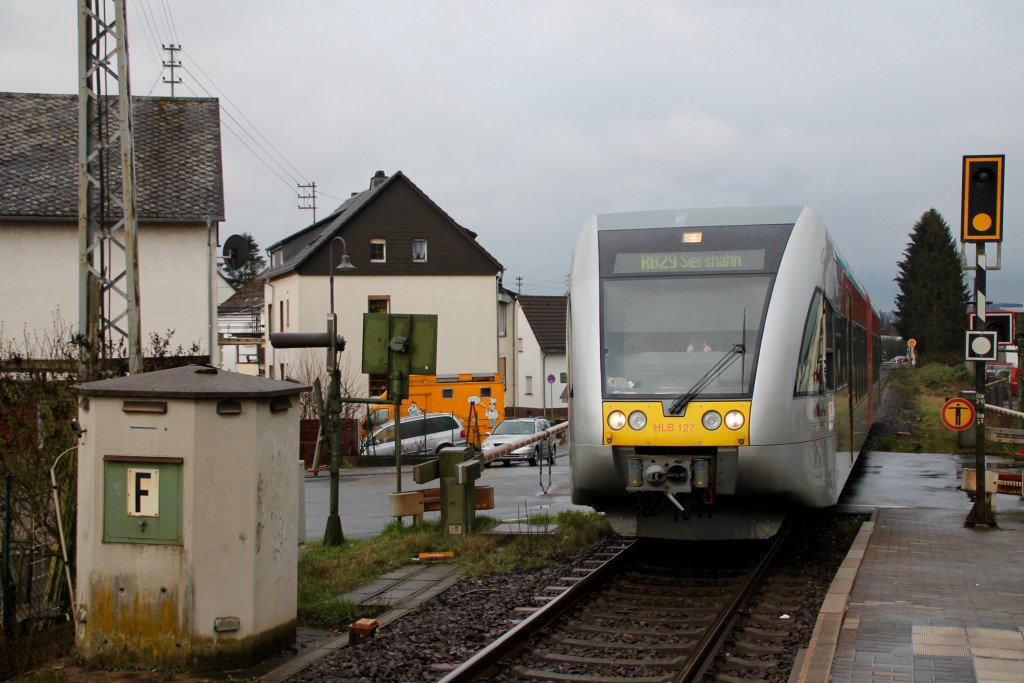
(918, 480)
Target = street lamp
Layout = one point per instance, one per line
(333, 535)
(346, 264)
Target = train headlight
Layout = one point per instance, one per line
(712, 420)
(637, 420)
(616, 420)
(734, 419)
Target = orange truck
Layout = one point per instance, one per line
(477, 400)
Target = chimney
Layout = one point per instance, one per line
(377, 179)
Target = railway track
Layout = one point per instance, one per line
(644, 615)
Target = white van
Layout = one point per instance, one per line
(426, 433)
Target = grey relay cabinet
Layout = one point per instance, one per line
(188, 508)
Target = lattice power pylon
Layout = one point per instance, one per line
(108, 290)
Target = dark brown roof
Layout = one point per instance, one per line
(246, 299)
(389, 208)
(546, 315)
(177, 157)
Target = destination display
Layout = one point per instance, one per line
(690, 262)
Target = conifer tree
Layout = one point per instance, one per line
(932, 304)
(239, 277)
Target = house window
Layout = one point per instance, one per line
(378, 251)
(270, 319)
(502, 314)
(378, 384)
(419, 251)
(280, 322)
(529, 385)
(447, 393)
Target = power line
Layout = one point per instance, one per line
(238, 130)
(285, 182)
(298, 174)
(164, 18)
(170, 20)
(258, 149)
(149, 31)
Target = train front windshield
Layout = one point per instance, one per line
(672, 309)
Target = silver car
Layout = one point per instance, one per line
(426, 433)
(513, 429)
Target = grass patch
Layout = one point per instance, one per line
(327, 572)
(923, 391)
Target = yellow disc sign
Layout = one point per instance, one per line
(958, 414)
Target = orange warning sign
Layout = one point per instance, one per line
(958, 414)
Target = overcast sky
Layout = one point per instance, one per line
(522, 118)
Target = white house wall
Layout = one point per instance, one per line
(39, 279)
(39, 276)
(465, 307)
(532, 363)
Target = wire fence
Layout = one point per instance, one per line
(34, 600)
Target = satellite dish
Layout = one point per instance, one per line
(236, 251)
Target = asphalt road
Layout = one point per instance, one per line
(519, 490)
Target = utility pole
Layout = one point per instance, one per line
(172, 64)
(108, 283)
(311, 197)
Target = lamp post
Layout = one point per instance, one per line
(332, 534)
(346, 264)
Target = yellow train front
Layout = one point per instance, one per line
(722, 369)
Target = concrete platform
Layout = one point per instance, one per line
(923, 599)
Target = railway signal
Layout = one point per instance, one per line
(982, 221)
(982, 203)
(981, 346)
(1000, 322)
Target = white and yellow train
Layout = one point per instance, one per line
(723, 368)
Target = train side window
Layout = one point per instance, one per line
(830, 346)
(841, 355)
(810, 367)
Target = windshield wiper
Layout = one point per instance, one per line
(737, 351)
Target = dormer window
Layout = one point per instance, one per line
(378, 251)
(419, 251)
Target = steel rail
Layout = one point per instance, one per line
(485, 660)
(710, 644)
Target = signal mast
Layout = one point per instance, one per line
(108, 282)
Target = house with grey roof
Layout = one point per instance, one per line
(240, 330)
(536, 382)
(180, 203)
(409, 256)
